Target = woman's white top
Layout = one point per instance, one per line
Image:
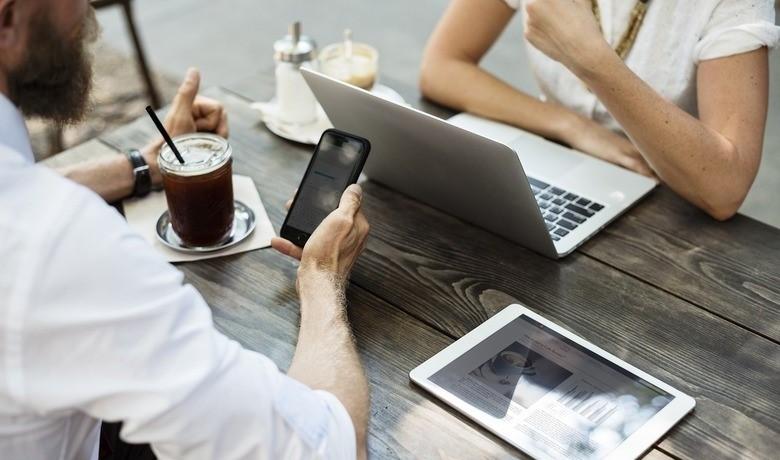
(675, 36)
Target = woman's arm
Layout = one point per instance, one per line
(451, 75)
(711, 161)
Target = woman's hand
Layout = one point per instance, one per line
(590, 137)
(564, 30)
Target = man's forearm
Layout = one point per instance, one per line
(325, 356)
(112, 177)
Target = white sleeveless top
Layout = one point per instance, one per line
(674, 37)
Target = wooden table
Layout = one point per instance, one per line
(693, 302)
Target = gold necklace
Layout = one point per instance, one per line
(637, 17)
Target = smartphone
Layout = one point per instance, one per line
(335, 165)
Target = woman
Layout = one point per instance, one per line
(685, 81)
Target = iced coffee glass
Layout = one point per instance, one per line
(200, 191)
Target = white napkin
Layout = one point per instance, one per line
(142, 215)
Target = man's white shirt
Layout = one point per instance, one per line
(95, 325)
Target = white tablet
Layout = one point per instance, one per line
(551, 393)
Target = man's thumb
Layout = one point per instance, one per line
(188, 90)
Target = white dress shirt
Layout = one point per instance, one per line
(675, 36)
(95, 325)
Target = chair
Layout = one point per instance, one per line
(140, 56)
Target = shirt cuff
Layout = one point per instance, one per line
(342, 426)
(736, 40)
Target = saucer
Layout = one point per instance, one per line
(243, 225)
(310, 133)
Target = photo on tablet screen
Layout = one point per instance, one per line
(520, 374)
(555, 395)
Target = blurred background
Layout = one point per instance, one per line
(232, 39)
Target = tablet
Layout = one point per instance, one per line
(551, 393)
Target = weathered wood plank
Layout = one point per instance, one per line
(657, 455)
(453, 276)
(89, 150)
(254, 301)
(731, 269)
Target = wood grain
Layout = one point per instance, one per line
(732, 269)
(253, 300)
(452, 276)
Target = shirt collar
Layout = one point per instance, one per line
(13, 131)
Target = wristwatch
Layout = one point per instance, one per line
(141, 173)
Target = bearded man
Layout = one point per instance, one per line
(94, 325)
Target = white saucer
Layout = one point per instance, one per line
(310, 133)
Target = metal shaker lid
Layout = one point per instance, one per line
(294, 47)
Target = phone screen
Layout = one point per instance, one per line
(335, 165)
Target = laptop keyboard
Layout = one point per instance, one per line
(563, 211)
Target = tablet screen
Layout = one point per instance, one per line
(551, 393)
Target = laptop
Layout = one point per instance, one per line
(518, 185)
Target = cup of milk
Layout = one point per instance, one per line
(351, 62)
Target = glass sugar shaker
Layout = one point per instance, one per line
(295, 102)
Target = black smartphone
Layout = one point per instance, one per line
(335, 165)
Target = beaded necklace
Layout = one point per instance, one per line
(629, 36)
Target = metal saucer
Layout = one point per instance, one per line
(243, 226)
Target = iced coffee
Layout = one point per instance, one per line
(200, 190)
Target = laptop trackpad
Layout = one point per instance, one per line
(548, 158)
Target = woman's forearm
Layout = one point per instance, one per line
(464, 86)
(695, 160)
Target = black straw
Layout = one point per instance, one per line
(164, 133)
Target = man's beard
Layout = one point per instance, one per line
(55, 80)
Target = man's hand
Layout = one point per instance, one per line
(338, 241)
(564, 30)
(326, 357)
(190, 113)
(590, 137)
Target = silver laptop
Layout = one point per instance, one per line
(513, 183)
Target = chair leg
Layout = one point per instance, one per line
(151, 88)
(56, 143)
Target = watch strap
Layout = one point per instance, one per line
(141, 173)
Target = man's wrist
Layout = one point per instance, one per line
(150, 155)
(311, 279)
(315, 284)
